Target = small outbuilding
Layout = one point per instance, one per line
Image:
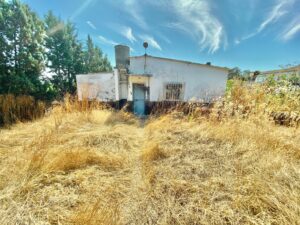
(142, 80)
(278, 74)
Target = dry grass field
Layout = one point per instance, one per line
(103, 167)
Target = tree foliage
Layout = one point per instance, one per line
(22, 49)
(64, 54)
(31, 47)
(237, 73)
(94, 59)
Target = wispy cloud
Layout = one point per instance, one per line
(237, 41)
(277, 12)
(196, 19)
(178, 26)
(83, 7)
(133, 9)
(151, 41)
(91, 25)
(280, 9)
(127, 33)
(292, 29)
(107, 41)
(164, 38)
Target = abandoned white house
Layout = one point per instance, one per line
(144, 79)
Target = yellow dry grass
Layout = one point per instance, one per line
(102, 167)
(19, 108)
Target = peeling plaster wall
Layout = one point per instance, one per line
(201, 82)
(99, 86)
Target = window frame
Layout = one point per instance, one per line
(181, 96)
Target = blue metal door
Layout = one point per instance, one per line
(139, 100)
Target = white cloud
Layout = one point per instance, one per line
(133, 9)
(151, 41)
(132, 50)
(107, 41)
(83, 7)
(291, 31)
(164, 38)
(277, 12)
(127, 33)
(178, 26)
(91, 25)
(237, 41)
(196, 19)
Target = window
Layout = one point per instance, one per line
(174, 91)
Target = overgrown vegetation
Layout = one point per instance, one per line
(86, 164)
(19, 109)
(278, 100)
(40, 57)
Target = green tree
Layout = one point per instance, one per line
(28, 43)
(94, 59)
(235, 73)
(246, 75)
(3, 46)
(64, 54)
(22, 51)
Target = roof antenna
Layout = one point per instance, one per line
(145, 44)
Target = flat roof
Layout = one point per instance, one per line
(181, 61)
(140, 75)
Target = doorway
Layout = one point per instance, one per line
(139, 99)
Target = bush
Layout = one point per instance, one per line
(279, 100)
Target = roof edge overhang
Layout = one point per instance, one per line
(181, 61)
(139, 75)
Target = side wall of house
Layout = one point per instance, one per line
(99, 86)
(201, 83)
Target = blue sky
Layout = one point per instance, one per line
(250, 34)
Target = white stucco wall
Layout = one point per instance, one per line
(201, 82)
(100, 86)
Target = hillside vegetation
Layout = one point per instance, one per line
(97, 166)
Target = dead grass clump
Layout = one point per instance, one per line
(121, 117)
(152, 153)
(110, 141)
(77, 159)
(97, 214)
(37, 162)
(260, 133)
(72, 104)
(19, 108)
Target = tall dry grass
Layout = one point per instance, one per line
(91, 165)
(19, 108)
